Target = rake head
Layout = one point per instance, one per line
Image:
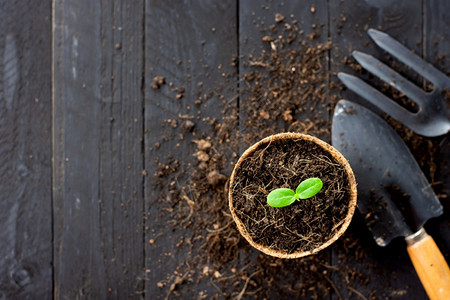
(432, 117)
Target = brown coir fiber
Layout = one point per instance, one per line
(307, 226)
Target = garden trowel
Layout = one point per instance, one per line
(394, 196)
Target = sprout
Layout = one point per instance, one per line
(284, 197)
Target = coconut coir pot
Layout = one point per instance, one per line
(307, 226)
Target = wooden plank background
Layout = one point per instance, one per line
(83, 132)
(185, 43)
(98, 160)
(25, 150)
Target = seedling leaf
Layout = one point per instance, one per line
(281, 197)
(309, 187)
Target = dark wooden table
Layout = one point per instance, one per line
(79, 121)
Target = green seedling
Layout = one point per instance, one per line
(284, 197)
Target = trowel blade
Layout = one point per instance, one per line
(393, 194)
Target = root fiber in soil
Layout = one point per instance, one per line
(306, 224)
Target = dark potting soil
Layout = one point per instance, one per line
(306, 224)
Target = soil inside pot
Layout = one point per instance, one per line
(307, 223)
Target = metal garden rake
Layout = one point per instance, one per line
(432, 117)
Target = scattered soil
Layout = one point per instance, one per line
(282, 85)
(285, 87)
(306, 224)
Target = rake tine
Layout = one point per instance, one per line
(403, 54)
(375, 97)
(389, 76)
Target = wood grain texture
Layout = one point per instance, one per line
(98, 163)
(373, 267)
(349, 23)
(436, 27)
(191, 45)
(92, 223)
(255, 19)
(25, 150)
(430, 266)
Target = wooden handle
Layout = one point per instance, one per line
(430, 265)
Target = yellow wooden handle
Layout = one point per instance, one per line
(430, 265)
